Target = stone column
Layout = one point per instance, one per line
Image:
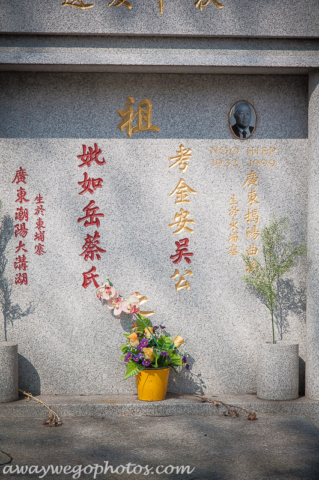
(8, 372)
(312, 364)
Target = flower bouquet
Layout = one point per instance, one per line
(148, 347)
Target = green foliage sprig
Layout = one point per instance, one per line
(279, 257)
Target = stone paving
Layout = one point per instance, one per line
(215, 447)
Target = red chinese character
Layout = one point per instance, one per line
(21, 247)
(21, 263)
(89, 277)
(182, 251)
(91, 156)
(39, 236)
(21, 278)
(20, 230)
(90, 182)
(39, 249)
(91, 247)
(39, 209)
(21, 193)
(91, 215)
(22, 214)
(40, 224)
(39, 199)
(20, 176)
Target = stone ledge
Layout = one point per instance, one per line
(118, 405)
(173, 55)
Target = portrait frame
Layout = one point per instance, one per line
(232, 121)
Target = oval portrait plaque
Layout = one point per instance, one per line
(242, 120)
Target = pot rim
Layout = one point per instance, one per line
(154, 369)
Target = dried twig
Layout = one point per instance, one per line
(53, 419)
(232, 409)
(9, 456)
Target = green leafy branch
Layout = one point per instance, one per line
(279, 257)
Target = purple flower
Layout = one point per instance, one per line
(140, 355)
(187, 366)
(155, 327)
(146, 363)
(164, 354)
(162, 327)
(184, 360)
(136, 359)
(142, 344)
(128, 356)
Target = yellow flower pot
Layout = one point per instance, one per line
(152, 384)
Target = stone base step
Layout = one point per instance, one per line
(129, 405)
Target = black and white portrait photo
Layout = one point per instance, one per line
(242, 120)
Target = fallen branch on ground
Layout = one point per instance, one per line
(53, 419)
(232, 409)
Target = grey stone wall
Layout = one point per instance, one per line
(312, 389)
(289, 18)
(69, 341)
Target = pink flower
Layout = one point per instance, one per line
(109, 293)
(106, 292)
(132, 305)
(116, 304)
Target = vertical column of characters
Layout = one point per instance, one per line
(252, 216)
(21, 230)
(182, 194)
(91, 249)
(233, 226)
(39, 235)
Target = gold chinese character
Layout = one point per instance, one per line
(118, 3)
(181, 221)
(232, 250)
(233, 225)
(77, 4)
(253, 266)
(252, 179)
(144, 117)
(203, 3)
(252, 195)
(142, 299)
(252, 216)
(184, 154)
(233, 211)
(233, 200)
(233, 237)
(252, 250)
(182, 283)
(182, 190)
(252, 233)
